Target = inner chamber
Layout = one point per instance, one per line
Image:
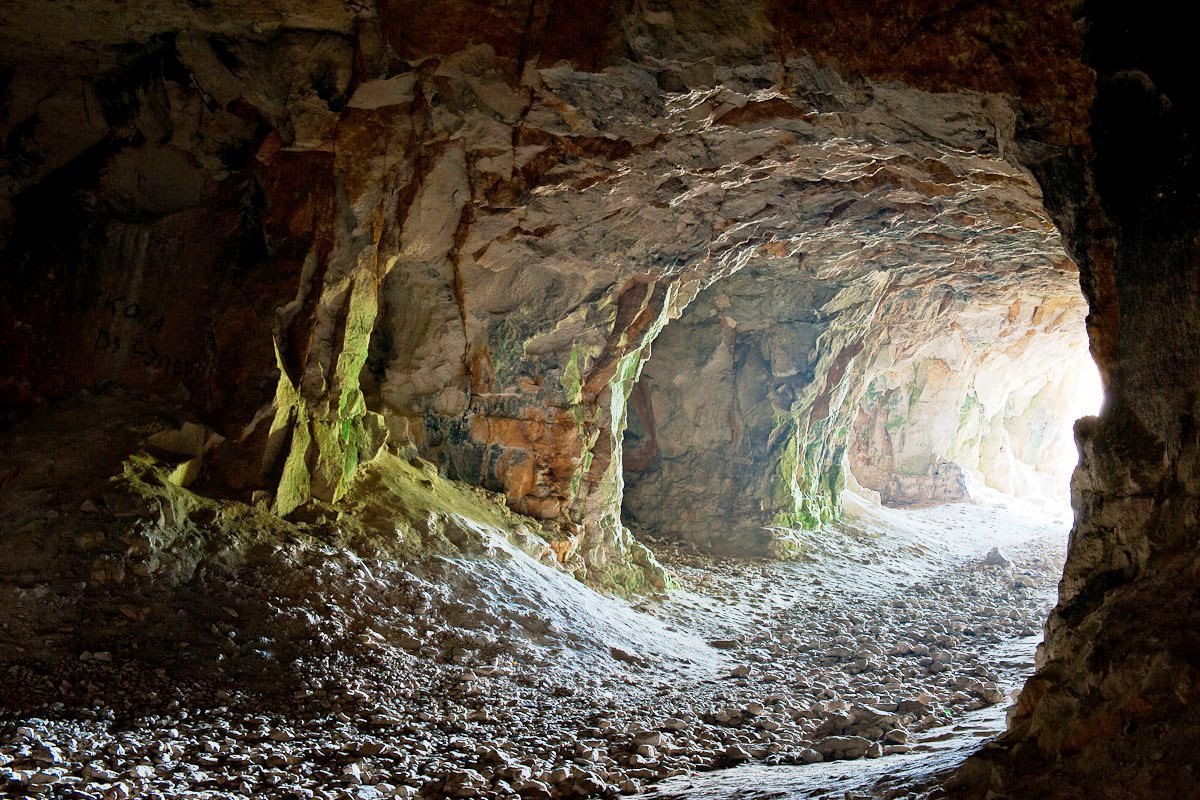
(781, 389)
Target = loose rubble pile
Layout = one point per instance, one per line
(407, 691)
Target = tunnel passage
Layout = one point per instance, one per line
(989, 403)
(777, 388)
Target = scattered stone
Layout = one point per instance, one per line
(737, 753)
(837, 747)
(420, 706)
(995, 558)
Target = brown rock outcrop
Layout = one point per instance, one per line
(1113, 706)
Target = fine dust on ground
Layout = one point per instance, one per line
(498, 676)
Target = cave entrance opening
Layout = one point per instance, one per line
(954, 426)
(861, 488)
(773, 399)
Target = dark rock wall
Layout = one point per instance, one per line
(317, 226)
(1114, 703)
(726, 384)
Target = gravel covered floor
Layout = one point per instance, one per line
(496, 677)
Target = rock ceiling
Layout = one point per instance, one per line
(459, 232)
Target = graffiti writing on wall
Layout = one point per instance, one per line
(120, 307)
(147, 354)
(142, 347)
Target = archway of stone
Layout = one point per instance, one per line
(492, 316)
(861, 478)
(781, 390)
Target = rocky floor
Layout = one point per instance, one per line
(432, 684)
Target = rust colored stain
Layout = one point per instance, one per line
(631, 313)
(416, 29)
(820, 407)
(583, 32)
(774, 109)
(298, 217)
(532, 457)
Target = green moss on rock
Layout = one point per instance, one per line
(809, 477)
(330, 437)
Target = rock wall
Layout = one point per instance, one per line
(323, 229)
(991, 399)
(773, 384)
(1115, 693)
(264, 221)
(472, 252)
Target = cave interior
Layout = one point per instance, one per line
(564, 399)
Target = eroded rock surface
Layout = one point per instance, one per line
(474, 254)
(1114, 694)
(333, 237)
